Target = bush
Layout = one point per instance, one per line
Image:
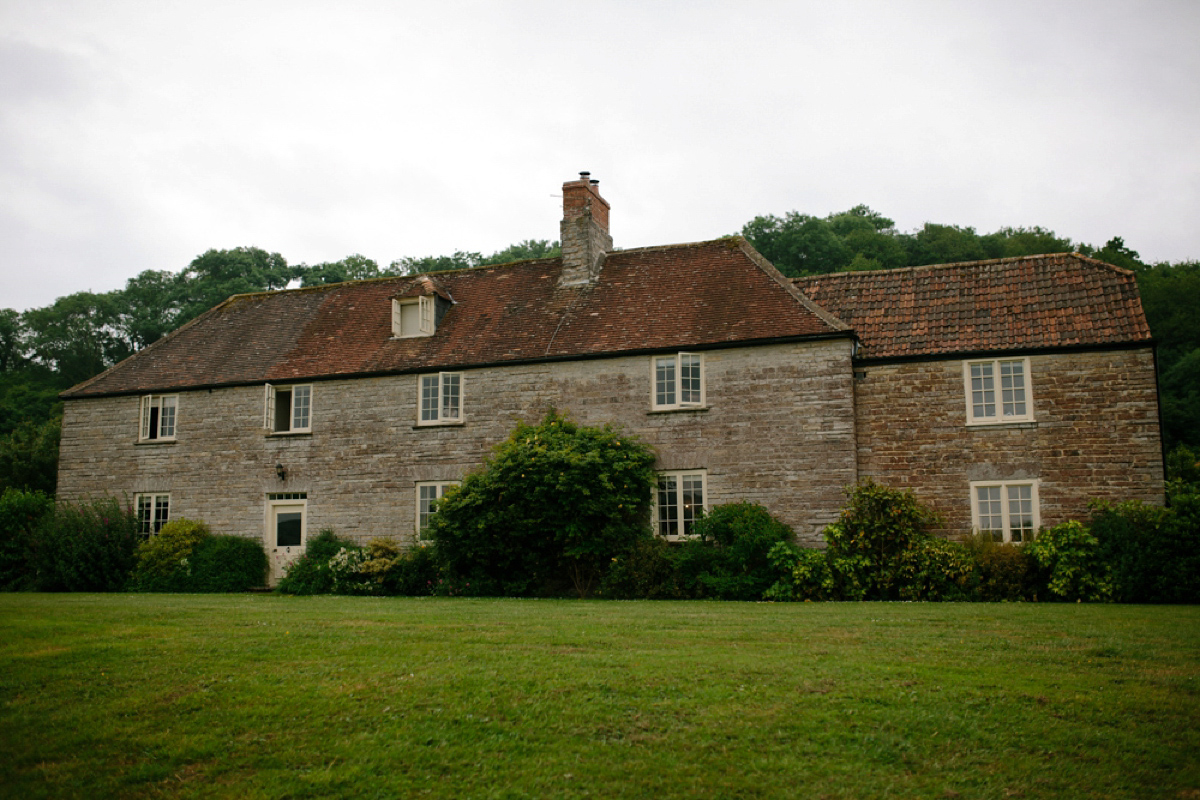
(185, 557)
(878, 525)
(1005, 569)
(804, 574)
(86, 547)
(728, 558)
(936, 569)
(225, 563)
(1154, 554)
(164, 560)
(311, 573)
(646, 570)
(1069, 566)
(21, 512)
(413, 573)
(548, 512)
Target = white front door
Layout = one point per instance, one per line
(286, 535)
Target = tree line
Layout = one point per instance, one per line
(46, 350)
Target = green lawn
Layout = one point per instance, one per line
(265, 696)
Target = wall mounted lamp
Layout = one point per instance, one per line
(281, 472)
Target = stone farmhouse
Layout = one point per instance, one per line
(1005, 393)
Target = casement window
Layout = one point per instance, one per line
(287, 409)
(153, 511)
(998, 391)
(1005, 511)
(159, 412)
(440, 402)
(414, 317)
(678, 381)
(679, 502)
(427, 493)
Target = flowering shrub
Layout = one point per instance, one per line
(311, 573)
(86, 547)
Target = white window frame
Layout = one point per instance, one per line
(296, 405)
(669, 394)
(426, 306)
(685, 513)
(1005, 501)
(997, 392)
(421, 519)
(158, 511)
(440, 415)
(160, 426)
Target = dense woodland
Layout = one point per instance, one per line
(46, 350)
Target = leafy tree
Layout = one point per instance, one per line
(521, 251)
(1012, 242)
(77, 336)
(351, 268)
(943, 244)
(413, 266)
(552, 507)
(215, 275)
(798, 244)
(29, 455)
(148, 308)
(13, 333)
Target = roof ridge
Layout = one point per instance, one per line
(977, 263)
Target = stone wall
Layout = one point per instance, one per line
(1095, 434)
(778, 429)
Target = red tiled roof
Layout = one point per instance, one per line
(1025, 303)
(659, 298)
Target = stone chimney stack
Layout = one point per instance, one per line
(584, 231)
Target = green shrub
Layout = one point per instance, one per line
(547, 512)
(936, 569)
(311, 573)
(225, 563)
(21, 512)
(86, 547)
(646, 570)
(1069, 565)
(413, 573)
(1006, 572)
(878, 525)
(728, 556)
(164, 559)
(1154, 554)
(804, 574)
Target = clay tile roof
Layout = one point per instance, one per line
(659, 298)
(1026, 303)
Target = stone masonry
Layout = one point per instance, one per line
(1095, 433)
(778, 429)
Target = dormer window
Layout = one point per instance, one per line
(413, 316)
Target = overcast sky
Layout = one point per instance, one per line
(137, 135)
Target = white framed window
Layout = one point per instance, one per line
(153, 511)
(998, 391)
(159, 417)
(413, 317)
(427, 493)
(1007, 511)
(287, 409)
(440, 401)
(678, 381)
(678, 502)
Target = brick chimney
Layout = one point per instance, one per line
(584, 231)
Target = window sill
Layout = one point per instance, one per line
(1019, 424)
(681, 410)
(458, 423)
(154, 442)
(286, 434)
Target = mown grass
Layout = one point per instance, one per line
(265, 696)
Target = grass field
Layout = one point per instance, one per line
(265, 696)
